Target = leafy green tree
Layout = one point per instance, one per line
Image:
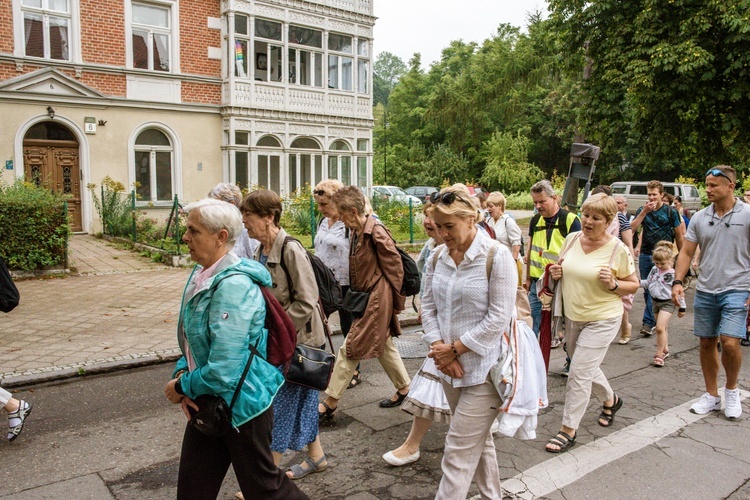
(387, 71)
(508, 169)
(666, 87)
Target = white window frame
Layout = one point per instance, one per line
(174, 34)
(74, 29)
(176, 150)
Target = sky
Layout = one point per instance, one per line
(404, 27)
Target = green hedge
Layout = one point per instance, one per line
(34, 227)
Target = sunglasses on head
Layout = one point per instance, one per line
(716, 172)
(446, 198)
(319, 192)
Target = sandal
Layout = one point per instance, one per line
(659, 361)
(327, 414)
(355, 381)
(17, 418)
(610, 417)
(298, 472)
(563, 441)
(389, 403)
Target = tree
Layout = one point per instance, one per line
(387, 71)
(667, 86)
(508, 169)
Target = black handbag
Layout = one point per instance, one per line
(356, 302)
(214, 417)
(312, 367)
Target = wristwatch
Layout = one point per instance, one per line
(617, 285)
(677, 282)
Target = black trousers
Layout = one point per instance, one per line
(205, 460)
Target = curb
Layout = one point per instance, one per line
(14, 380)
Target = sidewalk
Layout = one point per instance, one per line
(117, 310)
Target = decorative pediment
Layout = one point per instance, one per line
(48, 81)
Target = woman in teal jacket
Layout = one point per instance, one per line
(222, 313)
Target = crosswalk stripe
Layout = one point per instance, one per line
(568, 467)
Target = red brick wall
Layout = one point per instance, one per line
(196, 37)
(6, 27)
(103, 32)
(204, 93)
(107, 84)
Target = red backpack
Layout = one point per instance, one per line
(282, 336)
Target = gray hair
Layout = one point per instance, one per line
(216, 215)
(227, 192)
(544, 186)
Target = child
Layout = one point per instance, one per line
(659, 285)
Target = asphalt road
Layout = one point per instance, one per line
(116, 436)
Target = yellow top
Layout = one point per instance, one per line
(585, 297)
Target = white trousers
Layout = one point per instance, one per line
(469, 447)
(587, 344)
(4, 397)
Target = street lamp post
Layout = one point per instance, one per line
(385, 146)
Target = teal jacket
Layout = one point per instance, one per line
(218, 322)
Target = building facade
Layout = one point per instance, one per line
(173, 97)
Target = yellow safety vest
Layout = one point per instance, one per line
(541, 254)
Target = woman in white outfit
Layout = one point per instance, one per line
(464, 315)
(426, 400)
(506, 229)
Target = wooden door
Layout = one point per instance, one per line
(55, 165)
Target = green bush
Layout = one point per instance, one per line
(295, 217)
(114, 208)
(34, 225)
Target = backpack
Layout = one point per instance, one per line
(412, 283)
(282, 335)
(560, 223)
(487, 227)
(329, 289)
(9, 295)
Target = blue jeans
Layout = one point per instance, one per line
(536, 307)
(644, 265)
(720, 314)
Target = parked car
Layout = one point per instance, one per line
(422, 192)
(394, 193)
(636, 193)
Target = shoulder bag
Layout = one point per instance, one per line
(312, 367)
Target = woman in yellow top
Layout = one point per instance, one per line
(598, 270)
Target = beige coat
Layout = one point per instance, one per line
(375, 266)
(303, 305)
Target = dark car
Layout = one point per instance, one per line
(421, 192)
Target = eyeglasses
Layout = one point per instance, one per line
(716, 172)
(319, 192)
(447, 198)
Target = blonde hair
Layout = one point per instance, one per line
(328, 186)
(601, 204)
(464, 206)
(497, 199)
(664, 251)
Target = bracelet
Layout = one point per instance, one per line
(676, 282)
(453, 346)
(617, 285)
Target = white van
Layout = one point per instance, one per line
(636, 193)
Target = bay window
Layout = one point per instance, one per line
(340, 66)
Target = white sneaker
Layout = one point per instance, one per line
(733, 407)
(707, 403)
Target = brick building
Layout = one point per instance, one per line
(176, 96)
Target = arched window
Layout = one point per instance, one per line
(154, 154)
(305, 167)
(340, 162)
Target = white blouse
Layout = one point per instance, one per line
(459, 303)
(332, 246)
(507, 231)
